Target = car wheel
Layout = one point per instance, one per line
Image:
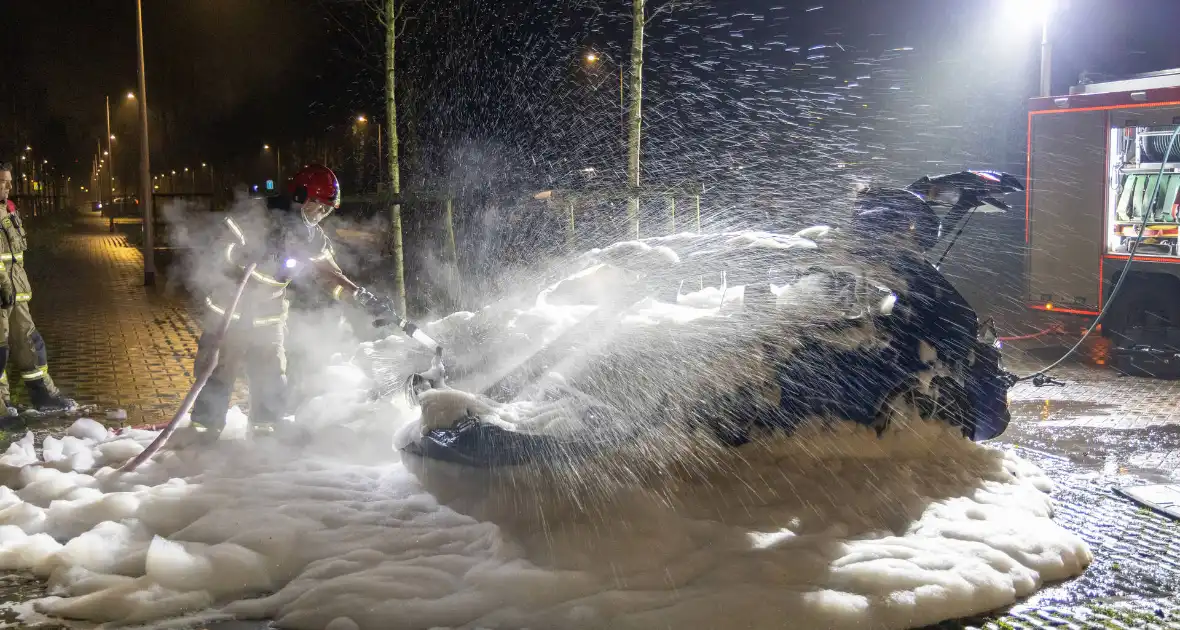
(951, 406)
(905, 400)
(897, 406)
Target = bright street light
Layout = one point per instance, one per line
(1032, 11)
(361, 118)
(112, 136)
(28, 148)
(591, 57)
(131, 96)
(1037, 13)
(266, 147)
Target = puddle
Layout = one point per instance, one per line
(1060, 412)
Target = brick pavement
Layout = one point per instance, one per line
(112, 342)
(1098, 419)
(1093, 396)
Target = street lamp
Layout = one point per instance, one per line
(1038, 11)
(593, 58)
(278, 162)
(362, 119)
(131, 96)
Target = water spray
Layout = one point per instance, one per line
(206, 371)
(435, 377)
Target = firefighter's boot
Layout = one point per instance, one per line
(48, 400)
(194, 435)
(285, 431)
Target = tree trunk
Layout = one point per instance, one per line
(634, 114)
(395, 185)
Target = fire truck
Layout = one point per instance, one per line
(1094, 188)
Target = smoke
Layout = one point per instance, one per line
(320, 330)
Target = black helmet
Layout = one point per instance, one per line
(880, 211)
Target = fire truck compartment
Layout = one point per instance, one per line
(1066, 192)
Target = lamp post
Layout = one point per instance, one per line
(593, 58)
(380, 158)
(110, 148)
(1046, 8)
(1038, 11)
(145, 168)
(278, 163)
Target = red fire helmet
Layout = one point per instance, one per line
(315, 183)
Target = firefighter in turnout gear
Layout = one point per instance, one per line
(20, 342)
(288, 245)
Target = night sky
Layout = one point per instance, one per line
(224, 76)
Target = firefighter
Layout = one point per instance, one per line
(19, 337)
(287, 244)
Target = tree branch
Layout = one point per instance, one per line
(670, 6)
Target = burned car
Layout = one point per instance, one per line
(725, 337)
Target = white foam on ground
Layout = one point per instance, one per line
(830, 528)
(833, 528)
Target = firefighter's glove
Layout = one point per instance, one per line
(375, 305)
(7, 297)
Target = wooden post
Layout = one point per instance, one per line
(570, 237)
(696, 200)
(453, 251)
(672, 212)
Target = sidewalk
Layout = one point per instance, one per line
(112, 342)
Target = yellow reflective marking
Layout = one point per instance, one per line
(217, 309)
(236, 230)
(261, 277)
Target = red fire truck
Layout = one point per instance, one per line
(1093, 188)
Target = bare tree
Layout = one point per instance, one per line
(639, 21)
(634, 111)
(390, 15)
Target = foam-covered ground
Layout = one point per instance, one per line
(832, 527)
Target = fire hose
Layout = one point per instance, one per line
(205, 371)
(435, 375)
(1055, 329)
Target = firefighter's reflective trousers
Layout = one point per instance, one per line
(22, 344)
(253, 346)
